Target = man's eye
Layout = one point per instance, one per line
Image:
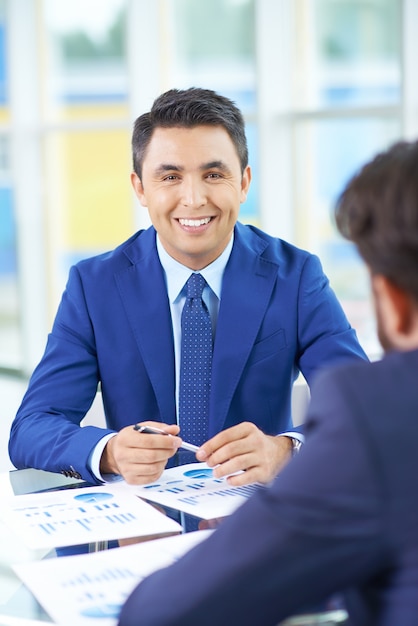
(214, 175)
(171, 177)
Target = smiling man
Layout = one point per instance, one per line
(267, 306)
(193, 196)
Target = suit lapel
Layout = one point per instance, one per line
(246, 289)
(144, 296)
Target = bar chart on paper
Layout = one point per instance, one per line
(193, 489)
(79, 516)
(90, 589)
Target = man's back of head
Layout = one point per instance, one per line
(378, 211)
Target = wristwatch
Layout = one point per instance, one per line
(296, 446)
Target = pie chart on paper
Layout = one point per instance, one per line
(199, 474)
(91, 498)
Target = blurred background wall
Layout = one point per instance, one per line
(323, 85)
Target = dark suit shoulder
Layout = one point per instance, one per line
(381, 396)
(397, 368)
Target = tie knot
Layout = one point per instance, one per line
(195, 286)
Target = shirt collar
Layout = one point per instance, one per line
(177, 274)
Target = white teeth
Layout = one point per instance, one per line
(195, 223)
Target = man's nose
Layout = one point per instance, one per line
(193, 193)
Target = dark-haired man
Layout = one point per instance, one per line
(271, 310)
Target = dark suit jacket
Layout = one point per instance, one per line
(343, 515)
(277, 316)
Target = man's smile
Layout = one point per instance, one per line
(194, 222)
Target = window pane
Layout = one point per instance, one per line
(10, 339)
(89, 204)
(3, 63)
(356, 53)
(329, 152)
(85, 58)
(10, 346)
(214, 48)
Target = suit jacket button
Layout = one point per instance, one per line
(73, 473)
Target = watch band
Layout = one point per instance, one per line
(297, 445)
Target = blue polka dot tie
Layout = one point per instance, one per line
(195, 368)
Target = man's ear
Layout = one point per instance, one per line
(245, 183)
(403, 307)
(396, 310)
(138, 188)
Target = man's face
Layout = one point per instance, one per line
(193, 187)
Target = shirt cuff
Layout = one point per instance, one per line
(94, 461)
(293, 435)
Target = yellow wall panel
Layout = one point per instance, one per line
(99, 200)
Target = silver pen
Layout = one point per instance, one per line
(157, 431)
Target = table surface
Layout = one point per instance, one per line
(18, 607)
(17, 604)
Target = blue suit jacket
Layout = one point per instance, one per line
(343, 515)
(277, 316)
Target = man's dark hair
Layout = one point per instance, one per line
(186, 109)
(378, 211)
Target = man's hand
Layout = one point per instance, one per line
(246, 447)
(139, 458)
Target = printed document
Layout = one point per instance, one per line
(90, 589)
(82, 516)
(193, 489)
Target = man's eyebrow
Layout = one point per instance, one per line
(171, 167)
(216, 165)
(167, 167)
